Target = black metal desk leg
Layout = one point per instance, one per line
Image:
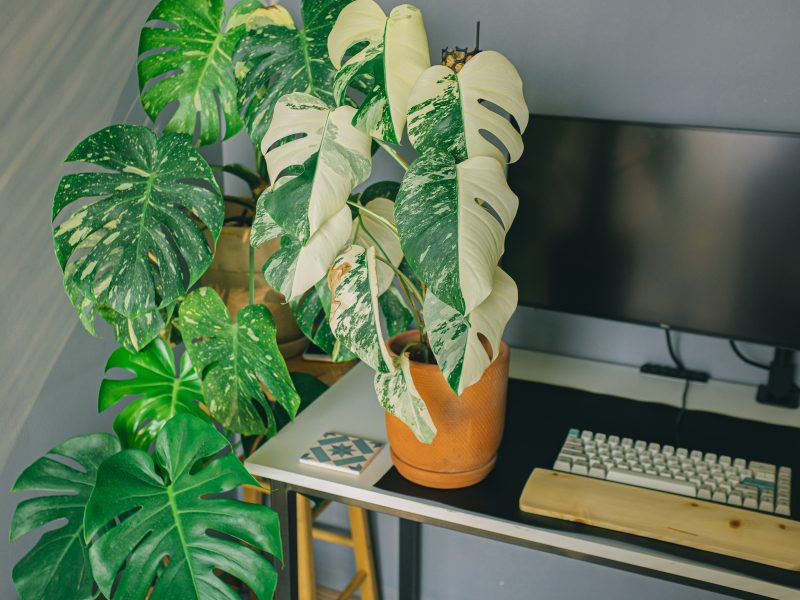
(284, 502)
(410, 543)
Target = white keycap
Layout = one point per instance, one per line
(735, 499)
(652, 482)
(627, 443)
(580, 468)
(766, 505)
(710, 458)
(750, 502)
(613, 440)
(719, 496)
(782, 509)
(586, 435)
(740, 463)
(668, 450)
(599, 437)
(653, 447)
(725, 461)
(597, 470)
(681, 453)
(704, 493)
(563, 463)
(696, 455)
(784, 472)
(640, 445)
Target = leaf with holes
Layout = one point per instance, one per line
(158, 392)
(448, 111)
(235, 360)
(128, 250)
(313, 176)
(452, 219)
(456, 338)
(185, 57)
(58, 566)
(393, 53)
(274, 58)
(355, 320)
(175, 533)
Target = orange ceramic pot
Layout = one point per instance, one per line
(469, 427)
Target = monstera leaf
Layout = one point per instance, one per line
(174, 533)
(395, 311)
(58, 565)
(456, 339)
(235, 360)
(275, 58)
(448, 111)
(129, 248)
(452, 219)
(186, 56)
(311, 312)
(355, 319)
(394, 54)
(159, 392)
(307, 205)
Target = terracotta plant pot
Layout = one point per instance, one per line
(228, 275)
(469, 427)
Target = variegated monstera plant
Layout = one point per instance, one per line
(135, 227)
(431, 243)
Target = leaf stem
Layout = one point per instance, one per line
(394, 154)
(388, 224)
(251, 272)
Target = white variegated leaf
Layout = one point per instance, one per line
(452, 219)
(355, 314)
(398, 396)
(313, 175)
(455, 338)
(369, 230)
(394, 55)
(447, 113)
(295, 267)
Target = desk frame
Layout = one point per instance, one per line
(351, 406)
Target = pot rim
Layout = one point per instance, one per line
(504, 349)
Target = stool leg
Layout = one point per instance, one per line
(362, 549)
(306, 579)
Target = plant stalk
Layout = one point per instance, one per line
(388, 224)
(394, 154)
(251, 268)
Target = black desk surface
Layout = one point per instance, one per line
(537, 420)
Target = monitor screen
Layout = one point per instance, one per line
(697, 229)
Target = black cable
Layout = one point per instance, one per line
(749, 361)
(678, 362)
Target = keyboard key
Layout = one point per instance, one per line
(696, 455)
(652, 482)
(740, 463)
(725, 461)
(766, 506)
(597, 470)
(600, 437)
(627, 443)
(681, 453)
(653, 448)
(782, 509)
(563, 463)
(668, 450)
(586, 435)
(735, 499)
(750, 502)
(710, 458)
(580, 468)
(613, 440)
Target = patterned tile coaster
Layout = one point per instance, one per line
(341, 452)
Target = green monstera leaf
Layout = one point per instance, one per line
(355, 320)
(58, 566)
(128, 249)
(168, 507)
(275, 58)
(313, 176)
(186, 55)
(452, 219)
(448, 111)
(159, 393)
(393, 54)
(456, 339)
(235, 360)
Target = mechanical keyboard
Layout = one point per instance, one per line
(734, 481)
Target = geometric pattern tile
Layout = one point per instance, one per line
(341, 452)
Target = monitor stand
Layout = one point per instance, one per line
(780, 389)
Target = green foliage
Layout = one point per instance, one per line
(158, 392)
(235, 360)
(311, 312)
(168, 508)
(57, 568)
(275, 58)
(191, 58)
(127, 250)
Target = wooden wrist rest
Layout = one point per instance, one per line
(728, 530)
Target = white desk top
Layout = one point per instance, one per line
(350, 407)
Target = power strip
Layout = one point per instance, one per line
(674, 372)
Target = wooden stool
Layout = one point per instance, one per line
(359, 540)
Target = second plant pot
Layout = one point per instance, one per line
(469, 427)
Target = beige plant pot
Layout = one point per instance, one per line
(228, 276)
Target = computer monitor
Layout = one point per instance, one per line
(693, 228)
